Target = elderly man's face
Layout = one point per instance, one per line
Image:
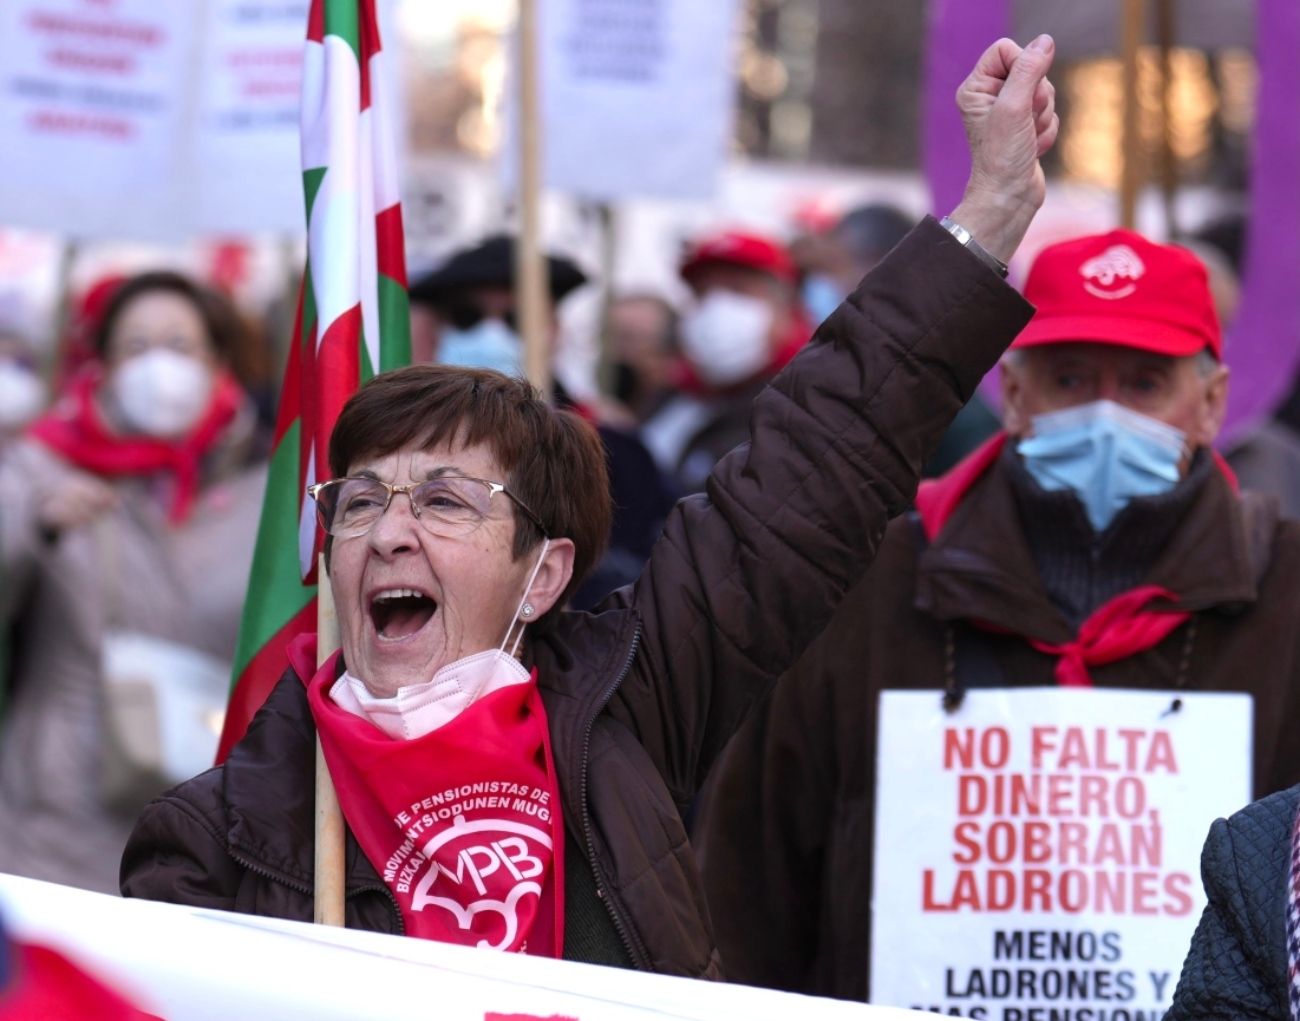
(410, 602)
(1176, 391)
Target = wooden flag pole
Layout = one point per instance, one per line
(608, 256)
(1165, 32)
(531, 285)
(1131, 142)
(328, 909)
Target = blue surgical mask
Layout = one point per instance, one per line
(489, 344)
(1105, 454)
(821, 296)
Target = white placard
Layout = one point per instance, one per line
(188, 964)
(637, 96)
(151, 121)
(94, 102)
(245, 145)
(1038, 849)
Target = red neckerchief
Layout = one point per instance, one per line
(76, 430)
(478, 798)
(1119, 628)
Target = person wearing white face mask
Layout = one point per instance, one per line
(744, 324)
(1098, 541)
(127, 539)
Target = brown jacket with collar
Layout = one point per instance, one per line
(790, 811)
(642, 697)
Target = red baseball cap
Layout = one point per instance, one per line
(737, 248)
(1120, 288)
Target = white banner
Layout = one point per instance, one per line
(190, 965)
(1038, 849)
(148, 120)
(636, 96)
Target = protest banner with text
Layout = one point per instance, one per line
(1037, 850)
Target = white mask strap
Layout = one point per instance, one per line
(514, 649)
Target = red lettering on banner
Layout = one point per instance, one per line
(52, 121)
(1071, 891)
(1051, 794)
(82, 61)
(138, 33)
(527, 1017)
(1074, 833)
(1097, 751)
(993, 748)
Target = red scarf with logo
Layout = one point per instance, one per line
(76, 430)
(463, 824)
(1119, 628)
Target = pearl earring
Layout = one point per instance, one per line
(527, 610)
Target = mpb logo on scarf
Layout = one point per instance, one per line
(463, 823)
(478, 871)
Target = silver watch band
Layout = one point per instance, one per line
(966, 239)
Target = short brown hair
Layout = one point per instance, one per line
(553, 460)
(220, 321)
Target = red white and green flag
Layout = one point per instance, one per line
(352, 322)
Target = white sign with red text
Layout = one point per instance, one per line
(245, 143)
(148, 120)
(1037, 850)
(91, 116)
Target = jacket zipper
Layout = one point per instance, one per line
(635, 951)
(303, 888)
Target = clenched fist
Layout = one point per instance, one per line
(1008, 107)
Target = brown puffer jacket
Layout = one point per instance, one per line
(642, 697)
(791, 805)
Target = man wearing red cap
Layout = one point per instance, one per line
(1097, 541)
(744, 325)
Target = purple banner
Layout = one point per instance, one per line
(959, 31)
(1263, 347)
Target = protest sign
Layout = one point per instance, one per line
(91, 115)
(133, 119)
(636, 97)
(187, 964)
(245, 143)
(1037, 851)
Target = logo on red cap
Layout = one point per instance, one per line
(1113, 274)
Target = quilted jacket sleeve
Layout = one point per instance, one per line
(1236, 967)
(746, 575)
(176, 855)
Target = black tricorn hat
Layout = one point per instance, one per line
(490, 264)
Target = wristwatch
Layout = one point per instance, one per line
(965, 238)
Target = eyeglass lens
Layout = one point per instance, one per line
(446, 506)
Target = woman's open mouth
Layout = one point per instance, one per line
(400, 612)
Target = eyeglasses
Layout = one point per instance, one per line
(451, 506)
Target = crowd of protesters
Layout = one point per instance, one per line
(1086, 533)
